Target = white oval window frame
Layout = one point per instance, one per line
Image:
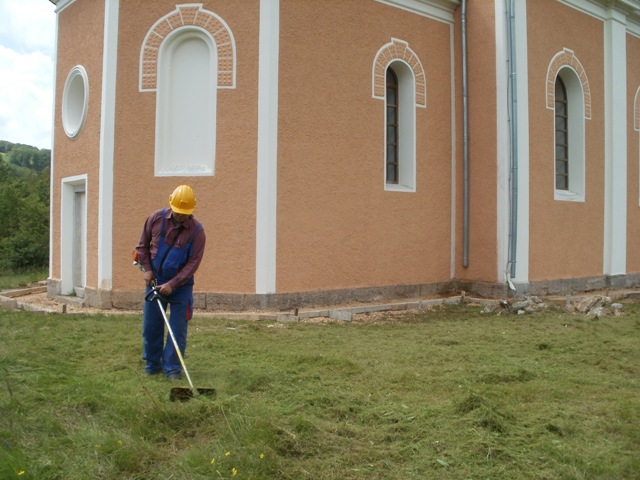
(75, 101)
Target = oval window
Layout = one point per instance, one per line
(75, 101)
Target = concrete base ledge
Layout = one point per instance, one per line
(20, 292)
(7, 303)
(342, 313)
(286, 307)
(240, 302)
(346, 313)
(27, 307)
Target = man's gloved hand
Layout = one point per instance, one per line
(149, 278)
(165, 289)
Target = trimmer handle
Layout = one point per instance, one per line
(155, 294)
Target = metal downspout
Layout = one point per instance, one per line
(513, 119)
(465, 147)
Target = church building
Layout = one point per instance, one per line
(349, 150)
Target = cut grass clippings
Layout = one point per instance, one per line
(448, 393)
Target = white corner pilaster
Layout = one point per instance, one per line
(502, 140)
(615, 181)
(267, 181)
(508, 224)
(522, 225)
(107, 139)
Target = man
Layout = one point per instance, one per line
(170, 250)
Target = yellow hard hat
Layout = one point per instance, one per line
(183, 200)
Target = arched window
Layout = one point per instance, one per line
(400, 127)
(569, 136)
(186, 104)
(562, 141)
(392, 127)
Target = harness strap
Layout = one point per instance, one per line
(187, 245)
(162, 231)
(193, 234)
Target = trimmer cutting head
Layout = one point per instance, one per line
(183, 394)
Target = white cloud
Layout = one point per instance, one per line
(27, 42)
(28, 25)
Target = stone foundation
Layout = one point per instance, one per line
(239, 302)
(565, 286)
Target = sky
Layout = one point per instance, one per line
(27, 49)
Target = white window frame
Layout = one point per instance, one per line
(406, 129)
(197, 158)
(576, 136)
(75, 101)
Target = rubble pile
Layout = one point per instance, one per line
(523, 306)
(594, 306)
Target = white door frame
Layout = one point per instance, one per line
(68, 226)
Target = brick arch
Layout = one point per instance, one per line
(393, 51)
(188, 15)
(560, 60)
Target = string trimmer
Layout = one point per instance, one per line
(176, 393)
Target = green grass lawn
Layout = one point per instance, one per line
(448, 393)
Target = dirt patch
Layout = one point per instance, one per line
(41, 302)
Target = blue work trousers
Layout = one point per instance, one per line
(160, 354)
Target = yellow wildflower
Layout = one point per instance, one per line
(213, 460)
(227, 454)
(262, 455)
(234, 471)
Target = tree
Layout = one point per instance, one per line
(29, 246)
(30, 157)
(5, 146)
(5, 170)
(24, 207)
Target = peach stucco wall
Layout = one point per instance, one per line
(337, 226)
(481, 55)
(226, 201)
(80, 42)
(633, 149)
(566, 238)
